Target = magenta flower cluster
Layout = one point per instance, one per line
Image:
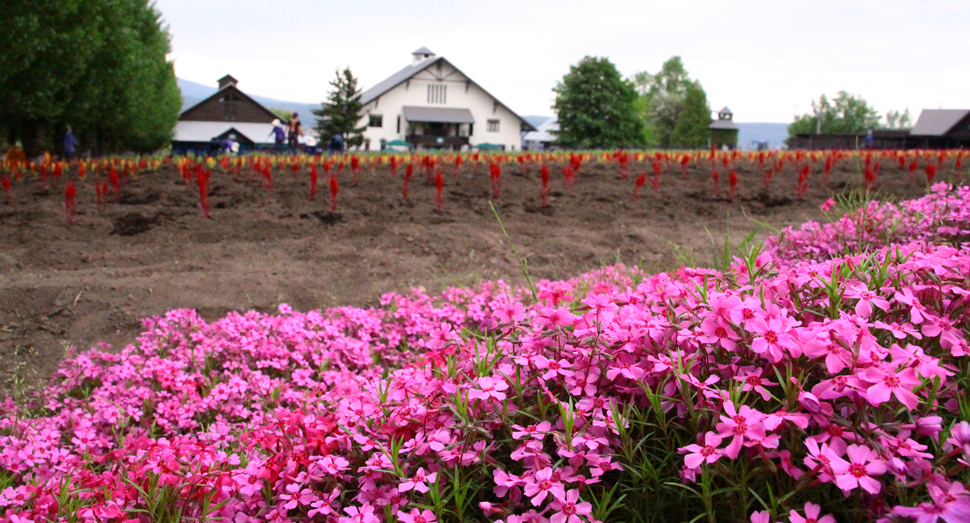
(782, 390)
(942, 216)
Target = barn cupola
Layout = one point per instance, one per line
(227, 81)
(422, 54)
(725, 114)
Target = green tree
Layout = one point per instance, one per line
(282, 113)
(897, 120)
(97, 65)
(846, 113)
(340, 114)
(595, 106)
(661, 100)
(691, 130)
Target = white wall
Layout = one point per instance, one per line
(460, 95)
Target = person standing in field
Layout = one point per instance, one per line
(279, 136)
(16, 156)
(336, 144)
(69, 144)
(295, 132)
(870, 140)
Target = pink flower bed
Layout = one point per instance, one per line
(779, 391)
(942, 216)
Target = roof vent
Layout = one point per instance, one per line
(422, 54)
(226, 81)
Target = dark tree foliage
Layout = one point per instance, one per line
(97, 65)
(340, 114)
(691, 130)
(596, 107)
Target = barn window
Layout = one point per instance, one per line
(376, 120)
(437, 94)
(493, 126)
(398, 124)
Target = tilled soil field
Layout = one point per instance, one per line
(153, 251)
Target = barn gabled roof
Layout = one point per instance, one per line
(226, 89)
(937, 122)
(410, 71)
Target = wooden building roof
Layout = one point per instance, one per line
(229, 104)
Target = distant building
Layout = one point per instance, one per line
(723, 130)
(543, 138)
(935, 129)
(227, 112)
(941, 129)
(431, 104)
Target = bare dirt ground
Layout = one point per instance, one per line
(153, 251)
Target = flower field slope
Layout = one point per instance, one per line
(780, 390)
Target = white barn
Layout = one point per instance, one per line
(433, 105)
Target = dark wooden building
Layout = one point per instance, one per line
(941, 129)
(935, 129)
(882, 139)
(227, 113)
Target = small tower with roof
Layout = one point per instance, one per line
(422, 54)
(723, 130)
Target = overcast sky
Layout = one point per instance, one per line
(766, 60)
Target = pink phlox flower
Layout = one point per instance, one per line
(856, 472)
(540, 485)
(294, 497)
(926, 365)
(333, 465)
(821, 457)
(531, 431)
(504, 481)
(550, 317)
(960, 437)
(774, 337)
(786, 463)
(362, 514)
(827, 205)
(512, 312)
(812, 512)
(722, 305)
(917, 311)
(775, 419)
(489, 388)
(718, 332)
(740, 424)
(601, 307)
(626, 367)
(323, 506)
(554, 367)
(529, 517)
(867, 299)
(752, 380)
(949, 334)
(899, 331)
(760, 516)
(951, 505)
(365, 442)
(747, 310)
(907, 447)
(569, 511)
(886, 383)
(416, 516)
(418, 481)
(698, 455)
